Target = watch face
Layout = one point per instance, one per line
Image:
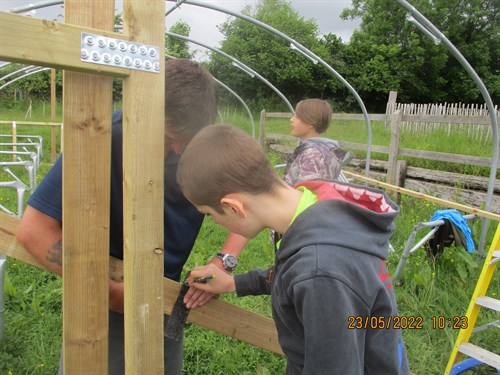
(229, 261)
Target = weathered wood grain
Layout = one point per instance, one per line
(87, 106)
(50, 43)
(217, 315)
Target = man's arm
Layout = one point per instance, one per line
(233, 245)
(41, 235)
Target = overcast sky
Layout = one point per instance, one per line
(204, 21)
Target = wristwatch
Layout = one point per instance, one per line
(229, 261)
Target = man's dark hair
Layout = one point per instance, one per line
(190, 97)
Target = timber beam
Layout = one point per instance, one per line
(218, 316)
(58, 45)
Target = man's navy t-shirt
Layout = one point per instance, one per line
(182, 221)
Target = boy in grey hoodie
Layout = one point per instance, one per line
(332, 298)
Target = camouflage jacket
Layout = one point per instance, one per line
(314, 158)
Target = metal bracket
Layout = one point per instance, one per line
(102, 50)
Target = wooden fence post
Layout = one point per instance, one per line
(262, 125)
(394, 147)
(53, 151)
(143, 176)
(391, 105)
(87, 101)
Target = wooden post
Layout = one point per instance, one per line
(401, 167)
(86, 168)
(14, 139)
(391, 105)
(394, 147)
(217, 315)
(53, 151)
(143, 149)
(262, 131)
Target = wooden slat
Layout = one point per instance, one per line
(434, 176)
(359, 117)
(451, 178)
(49, 43)
(445, 203)
(32, 123)
(335, 116)
(362, 146)
(441, 119)
(87, 105)
(421, 154)
(393, 147)
(143, 149)
(279, 114)
(53, 151)
(450, 158)
(446, 119)
(217, 315)
(9, 246)
(471, 198)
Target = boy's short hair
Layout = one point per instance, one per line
(315, 112)
(222, 159)
(190, 97)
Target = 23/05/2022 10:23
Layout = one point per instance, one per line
(405, 322)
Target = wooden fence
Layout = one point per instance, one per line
(446, 185)
(460, 117)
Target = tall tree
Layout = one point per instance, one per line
(178, 47)
(269, 55)
(389, 53)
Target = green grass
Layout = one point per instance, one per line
(458, 142)
(431, 288)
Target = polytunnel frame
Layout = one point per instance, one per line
(234, 94)
(14, 72)
(36, 69)
(437, 35)
(422, 24)
(239, 64)
(293, 45)
(241, 101)
(428, 29)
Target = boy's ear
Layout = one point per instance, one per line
(235, 203)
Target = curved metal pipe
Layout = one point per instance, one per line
(23, 76)
(297, 45)
(438, 37)
(244, 67)
(20, 70)
(309, 54)
(41, 4)
(241, 101)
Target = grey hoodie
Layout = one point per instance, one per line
(329, 275)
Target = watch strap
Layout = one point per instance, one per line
(222, 257)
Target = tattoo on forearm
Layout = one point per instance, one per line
(54, 254)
